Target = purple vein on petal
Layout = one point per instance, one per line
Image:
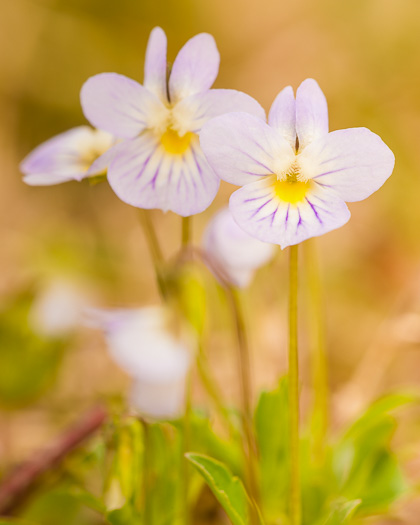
(253, 159)
(314, 210)
(329, 173)
(257, 198)
(260, 208)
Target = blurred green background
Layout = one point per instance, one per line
(365, 54)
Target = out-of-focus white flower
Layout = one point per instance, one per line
(58, 309)
(233, 250)
(140, 342)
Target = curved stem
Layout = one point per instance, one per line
(320, 389)
(244, 365)
(295, 496)
(154, 248)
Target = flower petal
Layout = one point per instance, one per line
(195, 68)
(354, 162)
(144, 175)
(192, 112)
(64, 157)
(235, 251)
(311, 113)
(118, 104)
(242, 148)
(282, 115)
(155, 65)
(260, 213)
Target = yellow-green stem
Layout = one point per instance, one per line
(186, 231)
(320, 417)
(295, 495)
(186, 448)
(147, 472)
(154, 248)
(244, 365)
(213, 391)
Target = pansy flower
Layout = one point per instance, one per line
(234, 251)
(159, 164)
(296, 177)
(73, 155)
(142, 344)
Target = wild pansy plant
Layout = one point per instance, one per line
(159, 162)
(296, 178)
(73, 155)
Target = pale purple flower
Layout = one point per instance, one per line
(141, 343)
(73, 155)
(159, 164)
(233, 250)
(296, 177)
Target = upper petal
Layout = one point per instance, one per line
(155, 65)
(242, 148)
(354, 162)
(192, 112)
(282, 115)
(144, 175)
(311, 113)
(195, 68)
(119, 105)
(258, 210)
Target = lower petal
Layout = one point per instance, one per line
(262, 214)
(144, 175)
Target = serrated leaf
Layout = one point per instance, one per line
(227, 488)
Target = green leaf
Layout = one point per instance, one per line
(271, 429)
(342, 512)
(227, 488)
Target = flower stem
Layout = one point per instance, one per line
(320, 417)
(186, 445)
(147, 471)
(213, 391)
(295, 496)
(154, 248)
(186, 231)
(246, 399)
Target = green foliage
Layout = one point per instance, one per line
(227, 488)
(341, 512)
(28, 361)
(271, 429)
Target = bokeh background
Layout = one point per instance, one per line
(365, 54)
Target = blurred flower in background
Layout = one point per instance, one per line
(58, 308)
(141, 343)
(233, 250)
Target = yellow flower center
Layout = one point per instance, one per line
(175, 144)
(291, 191)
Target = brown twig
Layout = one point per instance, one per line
(18, 484)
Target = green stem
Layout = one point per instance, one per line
(147, 472)
(186, 231)
(154, 248)
(186, 446)
(213, 391)
(246, 399)
(320, 417)
(295, 496)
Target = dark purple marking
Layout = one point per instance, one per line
(257, 198)
(314, 210)
(260, 208)
(330, 173)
